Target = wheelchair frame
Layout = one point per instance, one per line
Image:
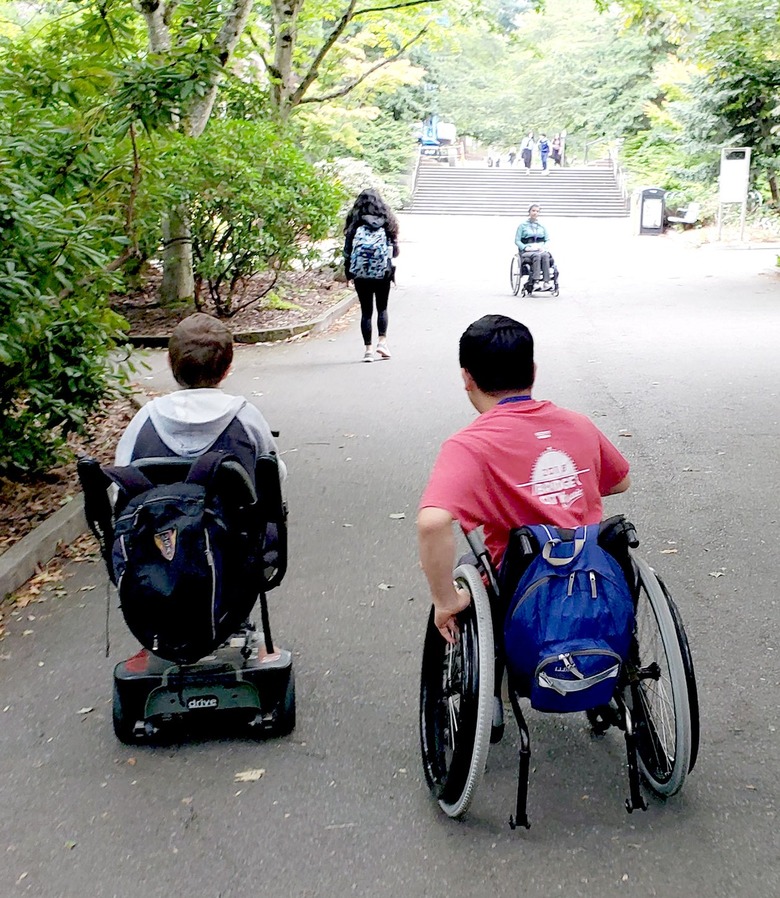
(655, 702)
(516, 277)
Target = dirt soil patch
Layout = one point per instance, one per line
(295, 298)
(26, 502)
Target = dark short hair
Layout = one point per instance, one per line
(200, 350)
(498, 352)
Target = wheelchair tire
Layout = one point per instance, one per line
(515, 275)
(123, 726)
(456, 700)
(660, 687)
(690, 676)
(285, 722)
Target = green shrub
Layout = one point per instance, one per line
(256, 205)
(59, 229)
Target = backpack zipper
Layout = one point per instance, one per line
(593, 591)
(570, 655)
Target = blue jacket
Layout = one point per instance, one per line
(530, 232)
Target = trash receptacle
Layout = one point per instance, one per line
(648, 210)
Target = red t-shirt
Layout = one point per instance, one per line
(524, 462)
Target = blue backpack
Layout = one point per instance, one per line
(569, 623)
(371, 255)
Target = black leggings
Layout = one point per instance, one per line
(367, 290)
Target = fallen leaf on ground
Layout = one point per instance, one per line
(84, 710)
(668, 551)
(249, 776)
(399, 516)
(385, 586)
(717, 574)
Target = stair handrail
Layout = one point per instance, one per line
(416, 171)
(593, 143)
(620, 174)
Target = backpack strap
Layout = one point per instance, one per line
(204, 469)
(554, 540)
(129, 479)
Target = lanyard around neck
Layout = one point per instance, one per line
(507, 399)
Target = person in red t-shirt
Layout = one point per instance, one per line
(522, 461)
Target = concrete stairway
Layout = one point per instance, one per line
(479, 190)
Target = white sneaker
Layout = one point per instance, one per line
(546, 285)
(382, 351)
(368, 356)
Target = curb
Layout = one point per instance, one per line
(269, 334)
(40, 545)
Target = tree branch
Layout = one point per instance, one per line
(403, 5)
(346, 88)
(261, 52)
(310, 76)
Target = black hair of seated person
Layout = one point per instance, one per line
(498, 352)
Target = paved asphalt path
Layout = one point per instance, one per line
(675, 352)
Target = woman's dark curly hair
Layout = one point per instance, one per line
(369, 202)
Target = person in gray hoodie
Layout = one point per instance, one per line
(199, 417)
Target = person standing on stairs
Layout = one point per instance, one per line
(527, 150)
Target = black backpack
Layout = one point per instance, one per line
(186, 556)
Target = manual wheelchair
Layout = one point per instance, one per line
(239, 678)
(655, 701)
(519, 270)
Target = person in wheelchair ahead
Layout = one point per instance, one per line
(531, 239)
(191, 523)
(522, 461)
(201, 417)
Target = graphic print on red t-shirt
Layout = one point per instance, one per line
(555, 479)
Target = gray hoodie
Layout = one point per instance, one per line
(189, 422)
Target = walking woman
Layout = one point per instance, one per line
(370, 245)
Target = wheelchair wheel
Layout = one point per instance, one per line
(661, 692)
(515, 273)
(456, 700)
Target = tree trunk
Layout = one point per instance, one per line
(285, 16)
(773, 190)
(224, 45)
(178, 283)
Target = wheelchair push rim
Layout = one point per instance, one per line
(456, 701)
(515, 275)
(660, 690)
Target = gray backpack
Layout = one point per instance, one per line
(371, 254)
